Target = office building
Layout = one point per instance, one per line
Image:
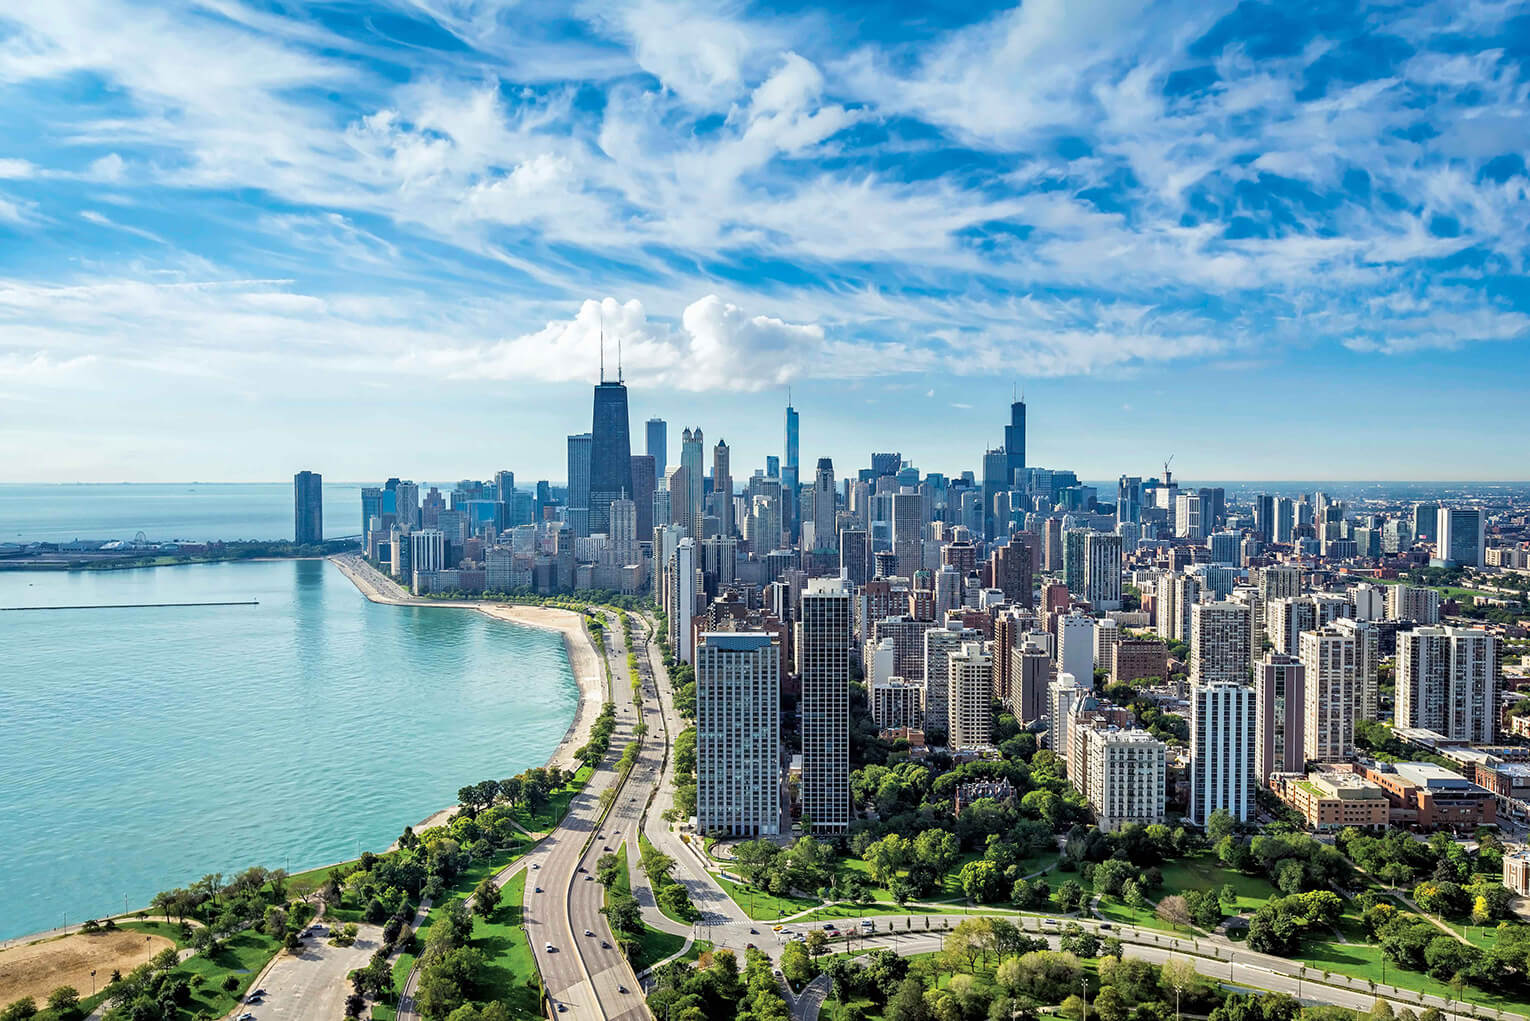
(1447, 682)
(825, 535)
(610, 454)
(1221, 750)
(1330, 694)
(823, 670)
(1190, 517)
(577, 511)
(1460, 541)
(908, 530)
(1279, 704)
(738, 734)
(1014, 445)
(658, 446)
(1219, 643)
(969, 696)
(427, 551)
(693, 484)
(308, 508)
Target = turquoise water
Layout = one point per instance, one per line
(142, 748)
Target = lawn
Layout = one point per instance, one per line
(645, 847)
(243, 955)
(832, 911)
(1202, 872)
(1116, 911)
(552, 811)
(762, 906)
(511, 974)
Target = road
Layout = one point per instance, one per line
(580, 973)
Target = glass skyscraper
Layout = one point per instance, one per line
(610, 454)
(308, 508)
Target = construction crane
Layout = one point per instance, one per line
(1168, 479)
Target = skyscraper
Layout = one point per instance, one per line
(1075, 647)
(658, 446)
(308, 508)
(578, 510)
(995, 469)
(823, 666)
(1329, 691)
(738, 734)
(644, 484)
(1219, 643)
(1279, 701)
(1221, 751)
(969, 696)
(1447, 681)
(1102, 570)
(1014, 444)
(610, 454)
(722, 487)
(1459, 537)
(825, 538)
(791, 476)
(691, 466)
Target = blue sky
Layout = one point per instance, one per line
(1277, 241)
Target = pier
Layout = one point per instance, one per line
(135, 606)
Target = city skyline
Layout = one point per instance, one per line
(1159, 218)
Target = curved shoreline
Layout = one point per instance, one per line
(584, 663)
(583, 659)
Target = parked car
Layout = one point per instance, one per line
(551, 949)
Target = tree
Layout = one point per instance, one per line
(64, 1002)
(20, 1010)
(1178, 976)
(486, 897)
(796, 965)
(982, 881)
(907, 1004)
(817, 942)
(1070, 896)
(275, 923)
(1172, 909)
(1132, 894)
(1219, 826)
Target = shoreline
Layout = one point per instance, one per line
(584, 660)
(584, 664)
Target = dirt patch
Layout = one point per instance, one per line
(39, 968)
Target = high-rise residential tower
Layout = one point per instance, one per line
(1221, 750)
(1279, 702)
(824, 635)
(969, 697)
(308, 508)
(610, 454)
(738, 734)
(1219, 643)
(1330, 694)
(578, 509)
(1447, 682)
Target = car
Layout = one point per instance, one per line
(830, 926)
(589, 879)
(536, 865)
(536, 889)
(600, 836)
(258, 992)
(607, 848)
(1104, 925)
(753, 931)
(750, 946)
(588, 933)
(621, 988)
(774, 928)
(867, 923)
(246, 1016)
(581, 868)
(604, 945)
(562, 1009)
(550, 948)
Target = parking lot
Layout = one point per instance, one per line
(312, 985)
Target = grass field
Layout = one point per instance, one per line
(1202, 872)
(645, 847)
(511, 975)
(762, 906)
(242, 955)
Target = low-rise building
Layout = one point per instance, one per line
(1516, 872)
(1430, 796)
(1330, 799)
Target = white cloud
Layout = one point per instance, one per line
(11, 169)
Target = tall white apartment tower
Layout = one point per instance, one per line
(1447, 681)
(970, 697)
(1075, 647)
(1221, 750)
(1330, 694)
(939, 644)
(824, 635)
(738, 734)
(1219, 640)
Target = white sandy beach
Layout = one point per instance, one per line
(582, 655)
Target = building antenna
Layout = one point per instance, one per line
(602, 342)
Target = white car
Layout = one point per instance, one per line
(551, 949)
(536, 865)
